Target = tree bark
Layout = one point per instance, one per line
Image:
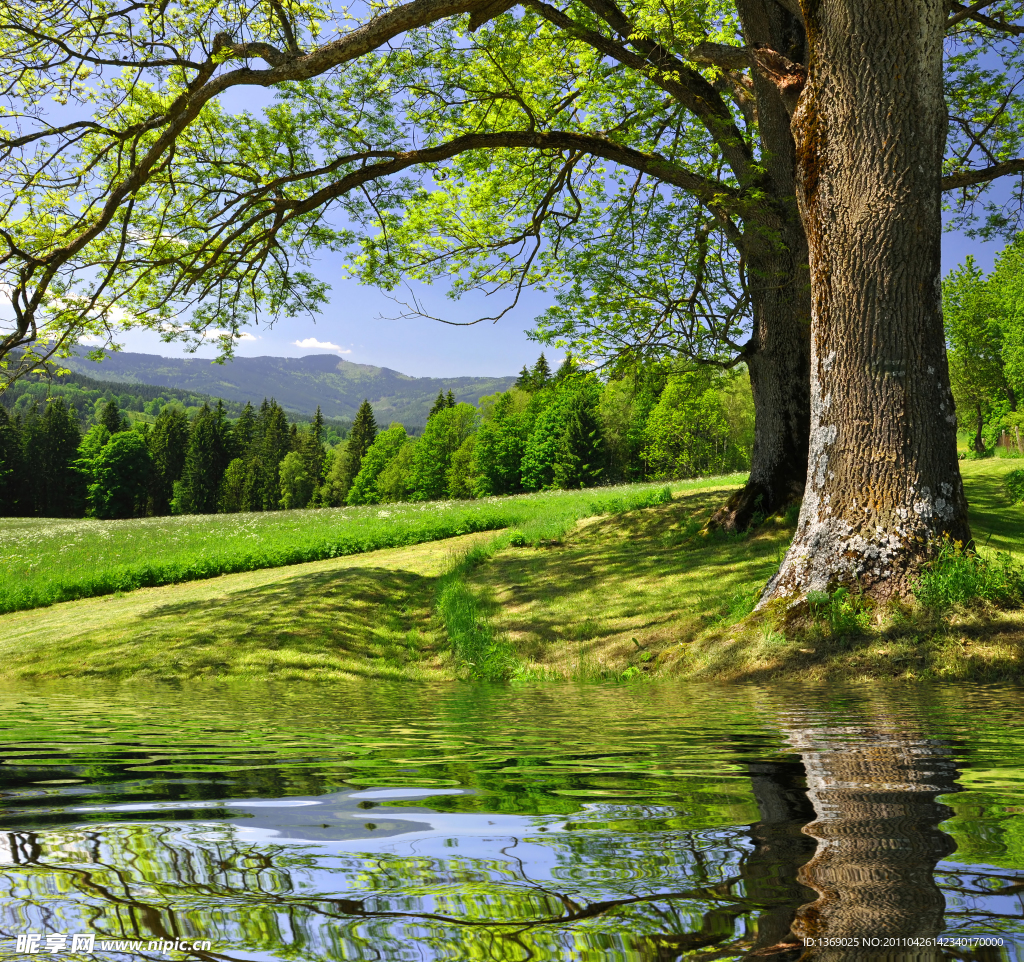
(979, 441)
(779, 357)
(883, 483)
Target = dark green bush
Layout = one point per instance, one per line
(1014, 484)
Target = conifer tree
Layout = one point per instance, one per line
(541, 373)
(205, 462)
(271, 442)
(63, 485)
(11, 465)
(450, 399)
(33, 459)
(244, 430)
(313, 448)
(523, 381)
(362, 435)
(580, 460)
(168, 445)
(112, 418)
(439, 405)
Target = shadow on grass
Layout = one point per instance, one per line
(996, 522)
(647, 575)
(909, 644)
(361, 622)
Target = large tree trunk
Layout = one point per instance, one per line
(779, 359)
(883, 484)
(979, 441)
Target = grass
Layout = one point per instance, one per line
(50, 560)
(366, 615)
(644, 594)
(361, 616)
(617, 597)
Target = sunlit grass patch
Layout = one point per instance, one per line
(365, 616)
(51, 560)
(621, 591)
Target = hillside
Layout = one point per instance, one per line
(298, 383)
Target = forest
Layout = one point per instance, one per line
(552, 430)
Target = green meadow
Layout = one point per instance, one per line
(52, 560)
(606, 584)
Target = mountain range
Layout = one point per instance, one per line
(298, 383)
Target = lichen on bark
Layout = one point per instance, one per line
(883, 484)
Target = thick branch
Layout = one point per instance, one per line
(670, 73)
(721, 55)
(973, 13)
(203, 89)
(721, 200)
(969, 178)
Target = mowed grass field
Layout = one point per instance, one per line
(617, 597)
(52, 560)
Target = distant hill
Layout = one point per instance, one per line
(298, 383)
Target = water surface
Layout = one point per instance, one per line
(650, 822)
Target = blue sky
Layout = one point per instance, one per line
(357, 325)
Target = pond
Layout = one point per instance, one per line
(649, 821)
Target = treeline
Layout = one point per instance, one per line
(567, 430)
(563, 430)
(88, 399)
(984, 324)
(180, 464)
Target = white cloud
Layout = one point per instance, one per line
(320, 345)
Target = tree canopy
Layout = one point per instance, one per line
(612, 151)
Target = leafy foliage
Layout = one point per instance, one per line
(121, 477)
(1014, 484)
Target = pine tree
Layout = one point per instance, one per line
(313, 448)
(541, 373)
(244, 430)
(168, 445)
(524, 381)
(11, 465)
(450, 399)
(63, 485)
(271, 442)
(580, 459)
(362, 435)
(112, 418)
(198, 490)
(439, 405)
(33, 461)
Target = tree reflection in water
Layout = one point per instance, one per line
(846, 845)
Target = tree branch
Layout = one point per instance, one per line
(972, 13)
(969, 178)
(669, 72)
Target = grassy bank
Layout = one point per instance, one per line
(51, 560)
(361, 616)
(371, 614)
(645, 594)
(618, 597)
